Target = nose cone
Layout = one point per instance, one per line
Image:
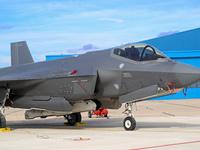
(186, 74)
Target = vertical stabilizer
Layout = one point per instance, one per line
(20, 54)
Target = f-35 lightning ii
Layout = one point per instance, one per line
(105, 78)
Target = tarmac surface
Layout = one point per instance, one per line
(161, 125)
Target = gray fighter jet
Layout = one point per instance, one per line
(106, 78)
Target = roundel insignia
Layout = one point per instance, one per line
(121, 65)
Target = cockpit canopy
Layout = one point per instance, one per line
(139, 52)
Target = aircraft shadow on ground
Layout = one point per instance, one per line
(93, 124)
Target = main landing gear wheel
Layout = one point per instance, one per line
(129, 123)
(73, 118)
(2, 121)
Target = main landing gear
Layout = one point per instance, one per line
(73, 118)
(2, 109)
(2, 120)
(129, 122)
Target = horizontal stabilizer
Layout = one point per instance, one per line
(20, 54)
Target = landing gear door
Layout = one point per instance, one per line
(2, 95)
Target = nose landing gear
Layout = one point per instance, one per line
(129, 122)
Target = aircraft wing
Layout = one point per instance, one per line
(17, 78)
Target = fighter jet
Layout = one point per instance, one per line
(105, 78)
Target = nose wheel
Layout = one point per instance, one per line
(129, 122)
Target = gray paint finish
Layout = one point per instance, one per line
(97, 76)
(20, 54)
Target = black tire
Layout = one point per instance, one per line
(105, 115)
(129, 123)
(75, 117)
(78, 117)
(2, 121)
(89, 114)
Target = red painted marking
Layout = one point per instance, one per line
(73, 72)
(81, 139)
(172, 83)
(11, 101)
(80, 83)
(184, 91)
(167, 145)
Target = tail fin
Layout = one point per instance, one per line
(20, 54)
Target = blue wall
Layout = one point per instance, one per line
(182, 41)
(51, 57)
